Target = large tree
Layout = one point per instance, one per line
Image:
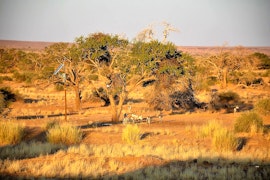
(136, 65)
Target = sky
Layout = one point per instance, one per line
(200, 22)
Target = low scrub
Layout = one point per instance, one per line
(263, 106)
(64, 134)
(11, 132)
(224, 100)
(247, 122)
(6, 97)
(131, 133)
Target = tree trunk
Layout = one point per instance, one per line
(116, 109)
(225, 74)
(113, 109)
(77, 98)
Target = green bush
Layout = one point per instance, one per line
(247, 122)
(131, 133)
(263, 106)
(224, 100)
(64, 134)
(11, 133)
(5, 78)
(24, 77)
(224, 140)
(228, 97)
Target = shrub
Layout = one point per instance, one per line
(64, 134)
(6, 96)
(59, 87)
(247, 122)
(10, 132)
(24, 77)
(263, 106)
(224, 100)
(224, 140)
(229, 97)
(2, 102)
(5, 78)
(131, 133)
(51, 124)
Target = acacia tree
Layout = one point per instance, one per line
(105, 55)
(121, 67)
(228, 61)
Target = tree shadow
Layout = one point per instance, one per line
(98, 124)
(198, 168)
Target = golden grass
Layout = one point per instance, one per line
(131, 133)
(96, 161)
(64, 134)
(11, 132)
(224, 140)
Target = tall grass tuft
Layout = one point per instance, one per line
(224, 140)
(131, 133)
(263, 106)
(209, 129)
(247, 122)
(11, 132)
(64, 134)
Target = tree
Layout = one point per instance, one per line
(122, 67)
(228, 61)
(106, 55)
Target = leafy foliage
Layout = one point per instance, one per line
(264, 60)
(224, 100)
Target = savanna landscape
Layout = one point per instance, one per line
(103, 107)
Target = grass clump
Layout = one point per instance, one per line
(11, 132)
(263, 106)
(209, 129)
(224, 140)
(64, 134)
(131, 133)
(51, 124)
(247, 122)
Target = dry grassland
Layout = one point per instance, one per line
(178, 146)
(175, 147)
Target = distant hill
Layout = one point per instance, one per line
(193, 50)
(25, 45)
(199, 50)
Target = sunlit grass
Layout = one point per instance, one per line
(64, 134)
(131, 133)
(85, 161)
(11, 132)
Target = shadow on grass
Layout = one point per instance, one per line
(203, 168)
(26, 150)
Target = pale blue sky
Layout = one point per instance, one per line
(201, 22)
